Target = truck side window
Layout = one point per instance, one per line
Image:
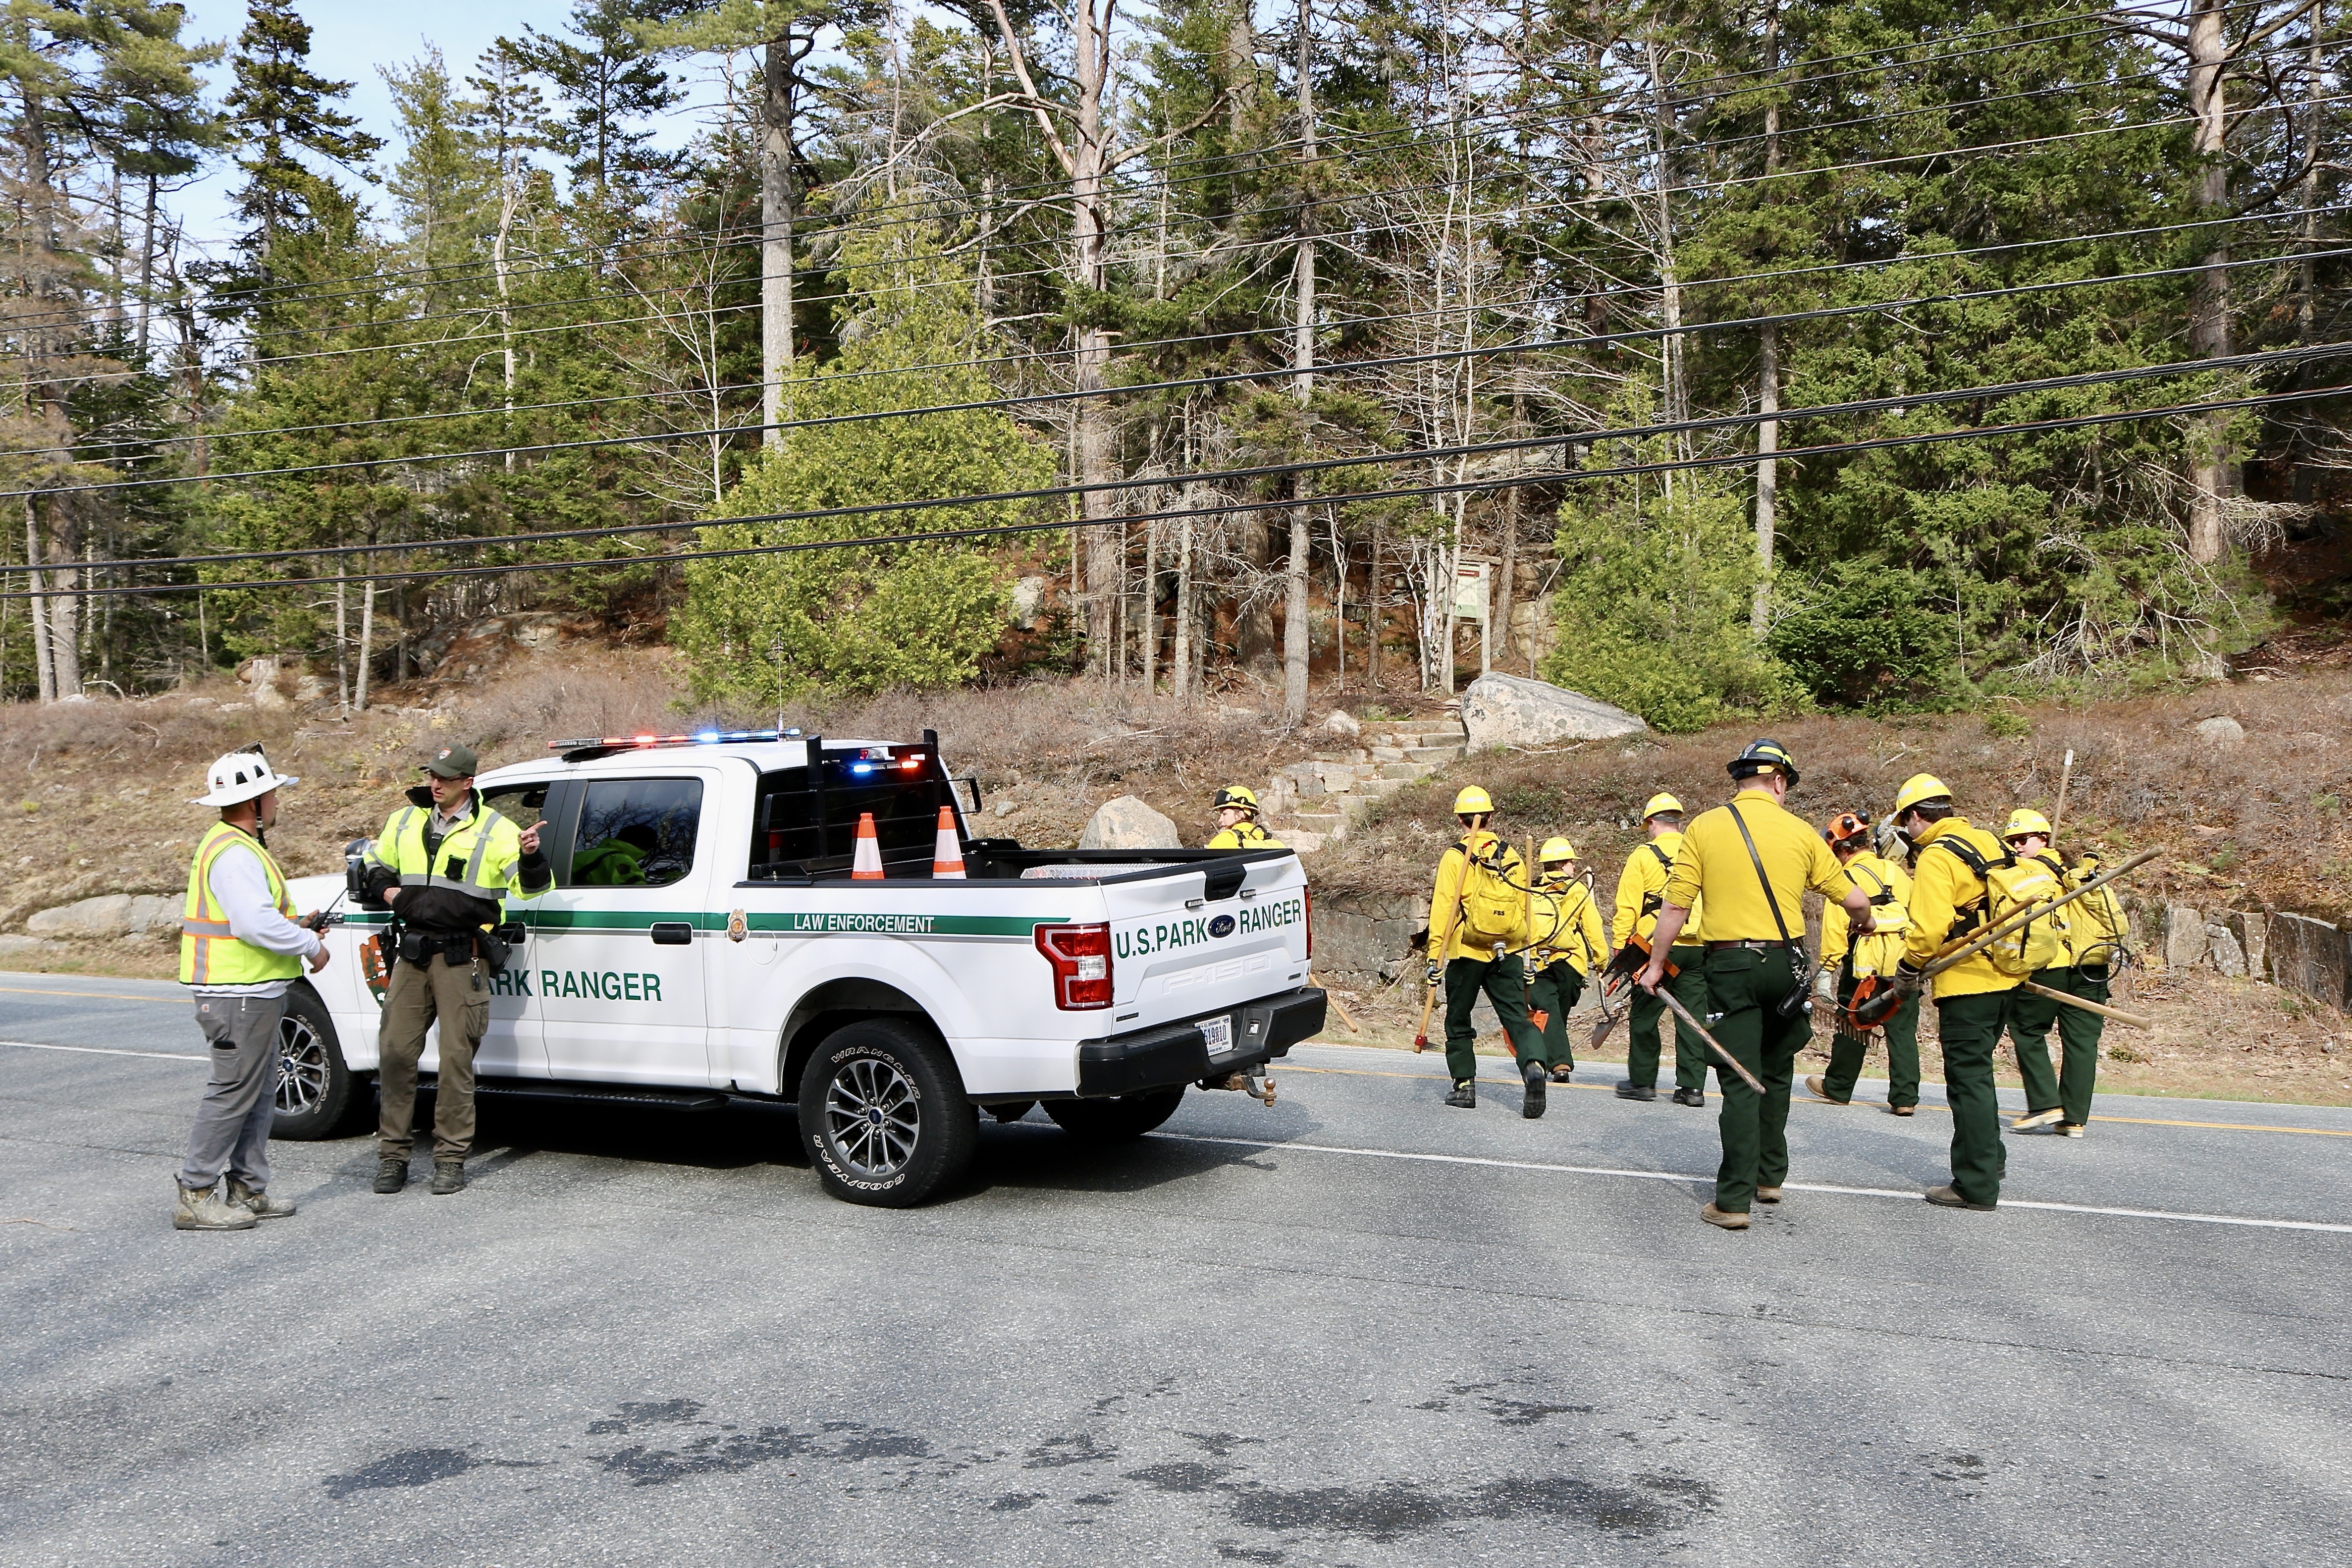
(636, 833)
(521, 804)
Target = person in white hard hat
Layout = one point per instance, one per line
(240, 948)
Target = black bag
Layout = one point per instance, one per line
(494, 952)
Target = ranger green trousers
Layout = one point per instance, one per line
(1970, 1028)
(1505, 981)
(2029, 1017)
(1846, 1050)
(1642, 1045)
(1556, 990)
(1744, 988)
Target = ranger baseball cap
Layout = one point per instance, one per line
(453, 762)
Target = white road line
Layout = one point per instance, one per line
(109, 1051)
(1911, 1195)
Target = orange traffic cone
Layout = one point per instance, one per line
(867, 866)
(947, 855)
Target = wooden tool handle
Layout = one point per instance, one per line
(1730, 1060)
(2135, 1020)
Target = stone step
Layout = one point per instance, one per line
(1388, 754)
(1435, 756)
(1403, 772)
(1329, 823)
(1358, 755)
(1381, 788)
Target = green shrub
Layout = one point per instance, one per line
(1867, 635)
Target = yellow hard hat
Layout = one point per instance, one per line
(1917, 788)
(1235, 795)
(1556, 849)
(2024, 821)
(1472, 801)
(1660, 802)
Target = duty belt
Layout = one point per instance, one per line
(1752, 944)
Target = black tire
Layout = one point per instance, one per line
(1116, 1119)
(318, 1096)
(883, 1115)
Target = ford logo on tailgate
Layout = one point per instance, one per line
(1223, 926)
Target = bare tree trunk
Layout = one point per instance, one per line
(342, 642)
(1670, 345)
(1375, 613)
(1151, 606)
(2209, 312)
(146, 269)
(778, 205)
(367, 636)
(43, 669)
(1767, 381)
(1297, 649)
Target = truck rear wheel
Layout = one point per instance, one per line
(1121, 1117)
(883, 1115)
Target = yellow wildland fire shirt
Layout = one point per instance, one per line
(1714, 857)
(1444, 902)
(1641, 887)
(1566, 924)
(1879, 952)
(1942, 888)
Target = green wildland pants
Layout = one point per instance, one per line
(1846, 1050)
(1505, 981)
(1556, 990)
(1642, 1045)
(2029, 1017)
(1744, 988)
(1970, 1028)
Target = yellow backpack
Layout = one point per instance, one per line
(2012, 887)
(2097, 933)
(1494, 899)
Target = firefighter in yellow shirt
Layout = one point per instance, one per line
(1972, 999)
(1849, 960)
(1641, 892)
(2095, 928)
(1477, 926)
(1568, 943)
(1753, 860)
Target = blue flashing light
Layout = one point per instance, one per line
(708, 736)
(861, 768)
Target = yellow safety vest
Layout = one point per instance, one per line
(477, 859)
(210, 953)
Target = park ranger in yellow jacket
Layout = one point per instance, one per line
(1641, 893)
(1972, 999)
(1568, 944)
(1477, 928)
(1848, 962)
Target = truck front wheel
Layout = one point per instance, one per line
(1121, 1117)
(883, 1115)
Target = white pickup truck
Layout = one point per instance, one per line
(704, 940)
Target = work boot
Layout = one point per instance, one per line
(1948, 1196)
(1466, 1094)
(204, 1209)
(2068, 1129)
(264, 1206)
(1629, 1090)
(1690, 1097)
(1533, 1106)
(1768, 1195)
(1904, 1109)
(2038, 1119)
(1724, 1217)
(391, 1173)
(448, 1177)
(1817, 1086)
(1564, 1073)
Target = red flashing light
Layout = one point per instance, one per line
(1081, 958)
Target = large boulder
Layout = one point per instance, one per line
(2221, 732)
(2184, 937)
(1511, 710)
(1126, 823)
(2308, 956)
(107, 916)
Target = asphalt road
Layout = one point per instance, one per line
(1355, 1328)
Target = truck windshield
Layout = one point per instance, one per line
(808, 827)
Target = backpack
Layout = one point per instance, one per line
(2098, 931)
(1493, 904)
(2012, 887)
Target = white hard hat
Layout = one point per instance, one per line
(241, 776)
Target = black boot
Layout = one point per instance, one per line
(1466, 1094)
(1537, 1078)
(1690, 1096)
(1629, 1090)
(391, 1174)
(448, 1177)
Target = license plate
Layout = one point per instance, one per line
(1219, 1033)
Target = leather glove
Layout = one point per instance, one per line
(1436, 972)
(1825, 987)
(1909, 977)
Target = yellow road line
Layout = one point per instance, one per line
(1809, 1100)
(109, 995)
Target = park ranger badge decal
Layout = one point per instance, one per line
(739, 925)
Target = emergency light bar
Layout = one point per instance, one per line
(705, 738)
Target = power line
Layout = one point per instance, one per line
(1229, 378)
(1462, 486)
(1271, 470)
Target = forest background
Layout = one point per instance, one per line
(1880, 356)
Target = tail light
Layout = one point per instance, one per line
(1309, 894)
(1081, 958)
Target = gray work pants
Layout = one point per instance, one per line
(232, 1128)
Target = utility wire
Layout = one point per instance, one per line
(1901, 401)
(1449, 487)
(1229, 378)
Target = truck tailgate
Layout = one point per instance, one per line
(1178, 952)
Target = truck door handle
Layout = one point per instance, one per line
(673, 934)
